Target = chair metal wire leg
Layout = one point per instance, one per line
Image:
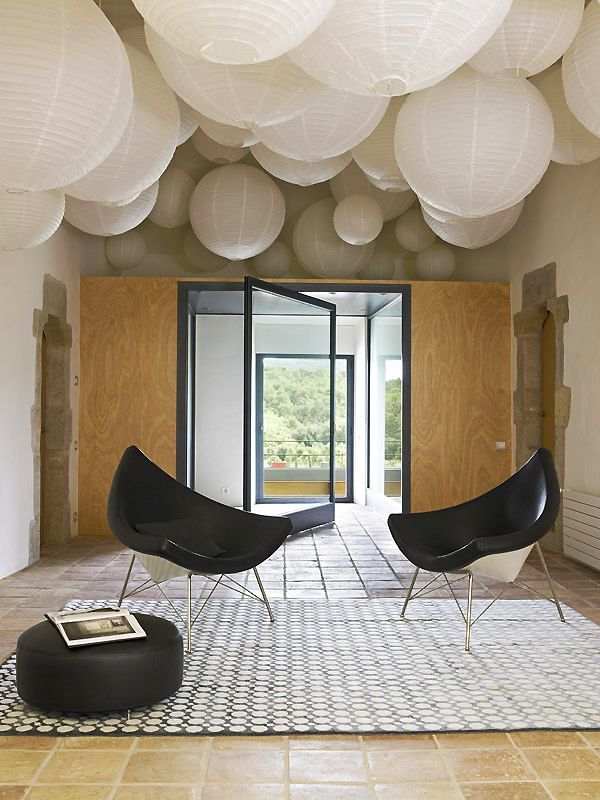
(550, 582)
(127, 577)
(189, 612)
(410, 588)
(469, 613)
(264, 595)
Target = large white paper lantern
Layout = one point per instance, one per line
(413, 232)
(234, 31)
(247, 95)
(436, 263)
(29, 218)
(216, 152)
(391, 47)
(125, 251)
(573, 144)
(381, 266)
(200, 259)
(237, 211)
(472, 233)
(473, 144)
(358, 219)
(332, 124)
(172, 206)
(352, 180)
(534, 34)
(320, 250)
(146, 147)
(302, 173)
(274, 262)
(229, 135)
(101, 220)
(376, 156)
(65, 92)
(581, 70)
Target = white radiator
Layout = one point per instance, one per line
(581, 527)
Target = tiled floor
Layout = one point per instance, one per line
(356, 560)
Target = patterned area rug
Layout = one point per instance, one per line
(357, 667)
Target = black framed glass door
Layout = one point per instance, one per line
(301, 330)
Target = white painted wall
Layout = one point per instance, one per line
(21, 279)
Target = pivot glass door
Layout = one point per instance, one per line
(291, 439)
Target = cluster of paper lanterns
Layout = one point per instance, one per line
(429, 119)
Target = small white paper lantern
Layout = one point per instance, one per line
(29, 218)
(581, 70)
(573, 144)
(413, 232)
(381, 266)
(125, 251)
(483, 143)
(436, 263)
(200, 259)
(229, 135)
(301, 173)
(172, 206)
(358, 219)
(332, 124)
(534, 34)
(65, 92)
(275, 261)
(101, 220)
(352, 180)
(320, 250)
(145, 149)
(391, 47)
(234, 31)
(216, 152)
(376, 156)
(237, 211)
(472, 233)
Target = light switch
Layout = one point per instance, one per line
(500, 445)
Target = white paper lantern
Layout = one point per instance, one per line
(358, 219)
(334, 123)
(234, 31)
(483, 143)
(125, 251)
(581, 70)
(320, 250)
(29, 218)
(376, 156)
(381, 266)
(215, 152)
(472, 233)
(229, 135)
(101, 220)
(413, 232)
(391, 47)
(201, 259)
(146, 147)
(172, 206)
(436, 263)
(534, 34)
(301, 173)
(65, 92)
(275, 261)
(352, 180)
(237, 211)
(573, 144)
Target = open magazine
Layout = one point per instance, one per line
(100, 626)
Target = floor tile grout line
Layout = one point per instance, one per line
(367, 766)
(121, 773)
(446, 761)
(42, 766)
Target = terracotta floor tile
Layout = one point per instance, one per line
(592, 737)
(406, 766)
(574, 790)
(492, 765)
(242, 791)
(69, 767)
(403, 741)
(94, 743)
(248, 743)
(320, 791)
(20, 766)
(565, 765)
(27, 742)
(70, 793)
(163, 766)
(547, 739)
(327, 766)
(504, 791)
(191, 743)
(417, 791)
(324, 743)
(12, 792)
(473, 741)
(237, 766)
(146, 792)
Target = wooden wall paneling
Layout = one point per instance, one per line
(128, 382)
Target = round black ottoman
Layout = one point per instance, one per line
(99, 677)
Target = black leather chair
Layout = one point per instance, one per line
(491, 535)
(175, 531)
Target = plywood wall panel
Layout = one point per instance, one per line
(128, 382)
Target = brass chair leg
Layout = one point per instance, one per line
(410, 588)
(550, 582)
(469, 613)
(264, 595)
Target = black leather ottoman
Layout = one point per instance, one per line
(101, 677)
